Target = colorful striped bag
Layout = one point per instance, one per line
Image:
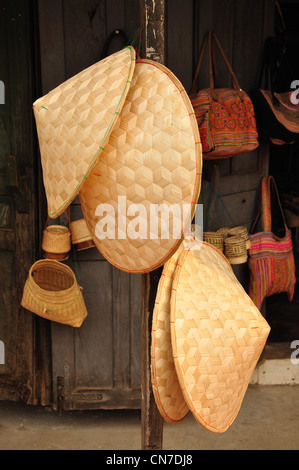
(271, 260)
(225, 116)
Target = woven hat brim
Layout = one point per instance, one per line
(217, 336)
(153, 156)
(166, 387)
(74, 122)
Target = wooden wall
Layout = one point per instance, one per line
(18, 199)
(100, 365)
(242, 27)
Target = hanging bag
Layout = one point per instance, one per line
(225, 116)
(275, 102)
(271, 260)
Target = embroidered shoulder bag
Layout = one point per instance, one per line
(225, 116)
(271, 260)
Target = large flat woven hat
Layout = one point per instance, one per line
(217, 336)
(146, 184)
(166, 387)
(74, 122)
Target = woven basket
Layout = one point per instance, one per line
(241, 232)
(215, 239)
(56, 242)
(235, 249)
(166, 387)
(217, 336)
(74, 122)
(153, 157)
(52, 292)
(224, 231)
(81, 237)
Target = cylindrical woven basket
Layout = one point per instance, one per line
(215, 239)
(81, 237)
(235, 249)
(52, 292)
(241, 232)
(56, 242)
(224, 231)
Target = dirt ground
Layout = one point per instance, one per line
(268, 420)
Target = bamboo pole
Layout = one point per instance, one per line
(153, 38)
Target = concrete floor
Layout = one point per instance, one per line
(268, 420)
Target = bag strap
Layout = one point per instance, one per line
(211, 38)
(269, 185)
(234, 78)
(203, 47)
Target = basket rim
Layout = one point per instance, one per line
(56, 263)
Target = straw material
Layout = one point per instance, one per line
(215, 239)
(217, 336)
(166, 387)
(153, 157)
(241, 232)
(81, 237)
(74, 122)
(235, 249)
(224, 231)
(56, 242)
(52, 292)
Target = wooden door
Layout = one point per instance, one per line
(97, 366)
(18, 333)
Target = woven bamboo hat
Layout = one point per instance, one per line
(52, 292)
(73, 124)
(217, 336)
(166, 387)
(153, 157)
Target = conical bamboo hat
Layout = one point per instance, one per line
(74, 122)
(153, 157)
(217, 336)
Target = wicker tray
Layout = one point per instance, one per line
(217, 336)
(166, 387)
(74, 122)
(153, 157)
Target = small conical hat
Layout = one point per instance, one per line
(74, 121)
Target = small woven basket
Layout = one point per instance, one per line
(81, 237)
(56, 242)
(235, 249)
(224, 231)
(52, 292)
(241, 232)
(215, 239)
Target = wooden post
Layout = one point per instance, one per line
(153, 38)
